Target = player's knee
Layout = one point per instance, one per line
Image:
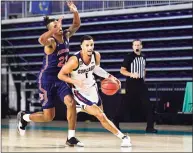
(101, 116)
(69, 101)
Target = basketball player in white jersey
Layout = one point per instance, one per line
(81, 67)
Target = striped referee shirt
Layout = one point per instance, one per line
(135, 64)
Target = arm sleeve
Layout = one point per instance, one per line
(101, 72)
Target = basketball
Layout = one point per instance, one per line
(109, 86)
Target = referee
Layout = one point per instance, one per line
(133, 67)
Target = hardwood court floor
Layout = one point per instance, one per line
(51, 137)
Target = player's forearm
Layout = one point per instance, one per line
(101, 72)
(125, 73)
(44, 37)
(76, 20)
(75, 25)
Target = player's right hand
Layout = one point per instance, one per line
(72, 7)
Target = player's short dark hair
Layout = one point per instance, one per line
(85, 37)
(47, 21)
(136, 40)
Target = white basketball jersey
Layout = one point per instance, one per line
(84, 72)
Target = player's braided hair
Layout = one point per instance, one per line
(47, 20)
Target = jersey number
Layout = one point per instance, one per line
(61, 61)
(86, 75)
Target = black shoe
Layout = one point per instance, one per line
(151, 130)
(21, 123)
(74, 142)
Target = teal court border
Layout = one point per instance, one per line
(129, 131)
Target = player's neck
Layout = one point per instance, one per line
(138, 53)
(58, 38)
(86, 59)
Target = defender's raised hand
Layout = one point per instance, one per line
(72, 6)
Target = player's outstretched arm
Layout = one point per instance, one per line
(45, 39)
(76, 20)
(100, 71)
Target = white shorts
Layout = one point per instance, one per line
(87, 97)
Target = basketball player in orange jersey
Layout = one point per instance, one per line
(81, 67)
(56, 50)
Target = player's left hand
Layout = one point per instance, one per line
(115, 79)
(72, 7)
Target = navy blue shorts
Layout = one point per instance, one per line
(49, 91)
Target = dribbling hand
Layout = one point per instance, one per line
(115, 79)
